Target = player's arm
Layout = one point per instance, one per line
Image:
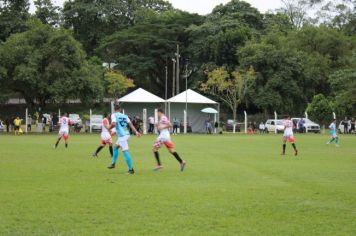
(167, 126)
(138, 134)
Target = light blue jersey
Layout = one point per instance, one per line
(122, 124)
(332, 128)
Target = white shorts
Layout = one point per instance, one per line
(288, 134)
(123, 142)
(63, 133)
(106, 138)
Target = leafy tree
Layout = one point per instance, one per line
(231, 89)
(296, 10)
(92, 20)
(320, 109)
(117, 83)
(47, 12)
(13, 16)
(45, 64)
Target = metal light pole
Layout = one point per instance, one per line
(177, 76)
(174, 77)
(186, 96)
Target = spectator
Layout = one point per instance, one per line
(250, 128)
(44, 122)
(345, 122)
(262, 127)
(7, 123)
(151, 122)
(301, 125)
(353, 123)
(55, 120)
(17, 125)
(175, 125)
(1, 125)
(29, 123)
(208, 126)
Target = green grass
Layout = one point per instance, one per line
(233, 185)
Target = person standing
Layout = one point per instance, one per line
(7, 123)
(29, 123)
(17, 125)
(333, 134)
(262, 127)
(151, 122)
(353, 123)
(175, 125)
(122, 123)
(64, 123)
(164, 137)
(346, 125)
(105, 136)
(288, 135)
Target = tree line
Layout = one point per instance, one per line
(287, 60)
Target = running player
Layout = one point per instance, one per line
(121, 122)
(63, 123)
(288, 135)
(333, 134)
(164, 137)
(105, 136)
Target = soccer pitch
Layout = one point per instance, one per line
(232, 185)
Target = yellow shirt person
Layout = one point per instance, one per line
(17, 123)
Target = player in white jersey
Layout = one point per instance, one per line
(164, 137)
(63, 123)
(106, 136)
(288, 135)
(122, 122)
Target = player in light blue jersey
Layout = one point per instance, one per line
(333, 133)
(122, 123)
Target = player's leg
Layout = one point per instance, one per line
(115, 155)
(102, 145)
(156, 147)
(60, 135)
(292, 141)
(170, 147)
(284, 145)
(110, 149)
(336, 140)
(125, 150)
(66, 137)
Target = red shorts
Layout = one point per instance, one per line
(168, 144)
(106, 141)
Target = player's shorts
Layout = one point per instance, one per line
(17, 128)
(123, 142)
(167, 142)
(64, 134)
(289, 138)
(333, 134)
(106, 139)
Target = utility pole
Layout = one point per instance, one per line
(174, 77)
(177, 75)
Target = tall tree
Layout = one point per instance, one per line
(45, 64)
(13, 16)
(47, 12)
(117, 83)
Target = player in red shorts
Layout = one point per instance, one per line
(64, 123)
(288, 135)
(106, 136)
(164, 137)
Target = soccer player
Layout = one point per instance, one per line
(288, 135)
(164, 137)
(17, 124)
(333, 134)
(122, 123)
(63, 123)
(105, 136)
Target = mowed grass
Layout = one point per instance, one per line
(233, 185)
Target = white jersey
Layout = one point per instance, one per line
(64, 124)
(104, 130)
(288, 128)
(164, 134)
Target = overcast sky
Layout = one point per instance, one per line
(205, 6)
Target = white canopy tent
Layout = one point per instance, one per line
(193, 116)
(142, 104)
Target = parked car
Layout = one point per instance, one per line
(309, 125)
(96, 122)
(230, 126)
(271, 126)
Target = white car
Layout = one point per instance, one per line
(75, 118)
(309, 125)
(96, 122)
(271, 126)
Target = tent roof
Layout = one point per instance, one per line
(141, 95)
(192, 97)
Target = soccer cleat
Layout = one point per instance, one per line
(182, 165)
(131, 172)
(283, 153)
(112, 166)
(157, 168)
(296, 153)
(95, 155)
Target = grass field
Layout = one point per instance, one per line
(233, 185)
